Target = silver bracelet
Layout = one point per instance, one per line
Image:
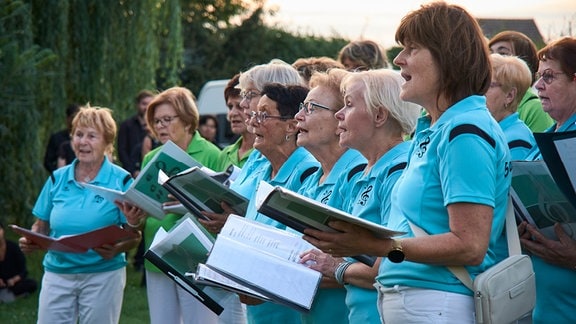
(340, 270)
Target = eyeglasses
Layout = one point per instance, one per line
(548, 76)
(248, 95)
(309, 107)
(164, 121)
(262, 116)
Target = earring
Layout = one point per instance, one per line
(287, 138)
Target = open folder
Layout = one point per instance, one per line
(266, 260)
(201, 189)
(79, 243)
(145, 192)
(543, 191)
(179, 251)
(300, 212)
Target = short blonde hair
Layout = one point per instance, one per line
(383, 88)
(330, 80)
(99, 118)
(511, 72)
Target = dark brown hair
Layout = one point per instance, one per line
(456, 43)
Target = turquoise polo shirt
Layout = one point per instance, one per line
(289, 176)
(370, 200)
(330, 303)
(519, 136)
(462, 158)
(328, 192)
(251, 172)
(71, 209)
(555, 286)
(202, 151)
(229, 156)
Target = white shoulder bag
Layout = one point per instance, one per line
(505, 292)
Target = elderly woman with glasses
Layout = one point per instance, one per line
(288, 166)
(374, 121)
(554, 260)
(251, 83)
(317, 132)
(172, 115)
(511, 79)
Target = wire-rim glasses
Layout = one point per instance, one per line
(310, 106)
(262, 116)
(548, 76)
(164, 121)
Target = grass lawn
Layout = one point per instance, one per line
(25, 310)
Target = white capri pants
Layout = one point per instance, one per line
(88, 298)
(406, 305)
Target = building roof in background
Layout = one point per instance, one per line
(491, 27)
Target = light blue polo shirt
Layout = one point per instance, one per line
(330, 303)
(555, 286)
(247, 180)
(72, 209)
(329, 191)
(462, 158)
(369, 199)
(289, 176)
(519, 136)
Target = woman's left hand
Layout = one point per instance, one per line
(217, 221)
(561, 253)
(134, 215)
(321, 262)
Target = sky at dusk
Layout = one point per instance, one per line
(378, 20)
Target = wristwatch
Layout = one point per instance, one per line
(396, 255)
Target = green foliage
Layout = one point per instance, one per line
(391, 53)
(103, 52)
(21, 64)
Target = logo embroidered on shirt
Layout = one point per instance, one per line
(326, 197)
(422, 147)
(365, 196)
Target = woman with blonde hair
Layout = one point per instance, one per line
(84, 287)
(510, 81)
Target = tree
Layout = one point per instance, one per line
(21, 64)
(103, 52)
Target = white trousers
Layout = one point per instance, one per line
(170, 304)
(406, 305)
(88, 298)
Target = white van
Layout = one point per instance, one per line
(211, 102)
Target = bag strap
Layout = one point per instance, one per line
(511, 236)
